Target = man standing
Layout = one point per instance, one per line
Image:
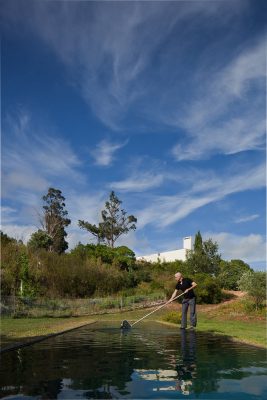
(186, 285)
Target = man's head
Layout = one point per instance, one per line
(178, 276)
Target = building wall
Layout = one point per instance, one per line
(188, 243)
(170, 255)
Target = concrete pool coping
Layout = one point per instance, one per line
(18, 345)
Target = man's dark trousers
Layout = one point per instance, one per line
(193, 317)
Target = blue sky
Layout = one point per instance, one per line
(162, 102)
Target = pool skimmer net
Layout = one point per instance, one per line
(126, 325)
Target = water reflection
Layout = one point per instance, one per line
(186, 370)
(152, 361)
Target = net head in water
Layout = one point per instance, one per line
(125, 325)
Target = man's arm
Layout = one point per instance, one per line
(174, 294)
(193, 285)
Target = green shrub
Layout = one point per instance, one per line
(173, 316)
(250, 308)
(156, 285)
(254, 283)
(11, 252)
(230, 272)
(208, 289)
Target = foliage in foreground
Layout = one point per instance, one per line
(174, 317)
(231, 272)
(254, 283)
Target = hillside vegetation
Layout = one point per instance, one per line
(93, 271)
(43, 269)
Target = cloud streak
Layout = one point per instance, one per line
(104, 153)
(166, 210)
(228, 115)
(246, 219)
(110, 47)
(139, 182)
(32, 159)
(250, 248)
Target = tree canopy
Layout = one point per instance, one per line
(55, 220)
(115, 222)
(40, 240)
(205, 257)
(230, 272)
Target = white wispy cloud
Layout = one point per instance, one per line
(108, 47)
(228, 115)
(250, 248)
(144, 173)
(139, 182)
(246, 218)
(18, 232)
(8, 214)
(166, 210)
(104, 153)
(33, 159)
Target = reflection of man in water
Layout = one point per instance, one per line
(186, 370)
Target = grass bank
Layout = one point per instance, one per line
(23, 330)
(242, 331)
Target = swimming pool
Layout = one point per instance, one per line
(151, 361)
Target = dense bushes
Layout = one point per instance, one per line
(254, 283)
(230, 272)
(208, 289)
(87, 271)
(97, 270)
(83, 273)
(69, 276)
(11, 252)
(122, 256)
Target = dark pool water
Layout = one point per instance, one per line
(150, 361)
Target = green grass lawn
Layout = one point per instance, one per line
(252, 332)
(14, 330)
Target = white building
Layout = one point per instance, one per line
(170, 255)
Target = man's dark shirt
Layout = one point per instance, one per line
(186, 284)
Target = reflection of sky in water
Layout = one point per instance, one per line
(163, 376)
(251, 385)
(152, 361)
(159, 375)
